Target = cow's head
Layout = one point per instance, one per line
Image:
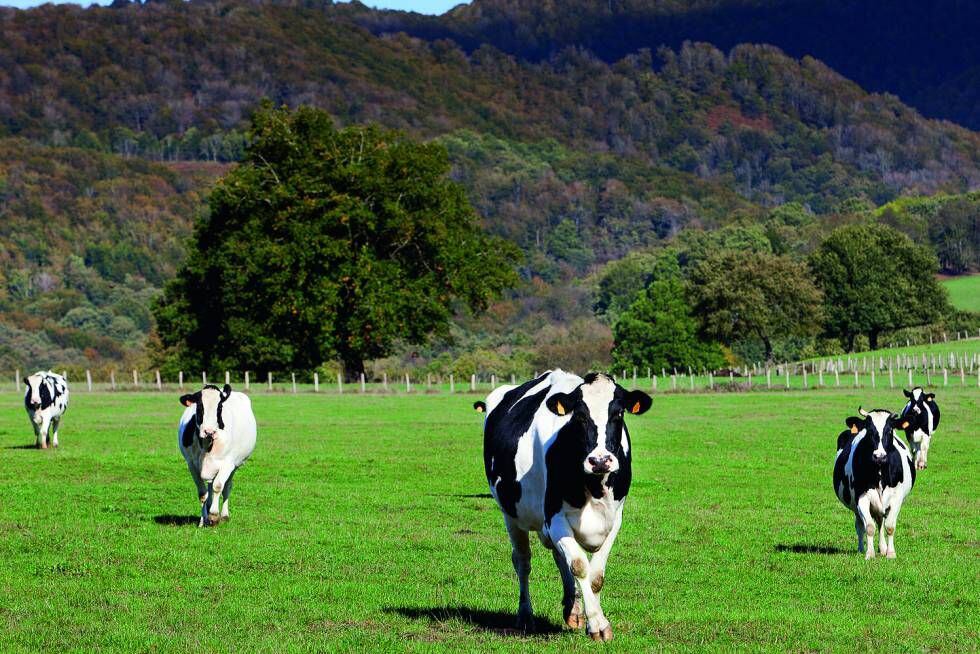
(208, 401)
(597, 407)
(36, 395)
(879, 427)
(920, 419)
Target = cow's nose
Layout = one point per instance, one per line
(600, 463)
(879, 458)
(210, 431)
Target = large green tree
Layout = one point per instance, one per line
(874, 278)
(754, 295)
(327, 243)
(659, 330)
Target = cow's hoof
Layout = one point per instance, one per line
(890, 554)
(604, 635)
(43, 446)
(575, 618)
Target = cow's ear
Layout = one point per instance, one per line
(930, 396)
(559, 404)
(479, 407)
(26, 383)
(226, 391)
(637, 402)
(908, 394)
(854, 423)
(188, 400)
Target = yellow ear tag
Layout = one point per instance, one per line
(636, 408)
(905, 424)
(561, 409)
(854, 429)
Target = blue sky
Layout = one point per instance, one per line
(421, 6)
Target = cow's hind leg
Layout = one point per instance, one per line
(37, 434)
(225, 494)
(571, 600)
(521, 557)
(859, 528)
(55, 423)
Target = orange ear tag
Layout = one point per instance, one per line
(636, 408)
(854, 429)
(561, 409)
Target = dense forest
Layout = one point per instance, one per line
(115, 121)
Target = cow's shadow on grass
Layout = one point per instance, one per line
(805, 548)
(498, 622)
(24, 447)
(177, 520)
(476, 496)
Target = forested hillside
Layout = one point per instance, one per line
(114, 122)
(924, 52)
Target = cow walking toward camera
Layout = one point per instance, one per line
(46, 400)
(922, 414)
(216, 435)
(873, 473)
(557, 457)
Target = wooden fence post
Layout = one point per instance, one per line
(493, 382)
(408, 383)
(452, 384)
(873, 377)
(691, 377)
(786, 370)
(711, 381)
(654, 383)
(673, 382)
(473, 382)
(17, 381)
(268, 379)
(363, 383)
(768, 377)
(88, 379)
(820, 378)
(855, 378)
(340, 383)
(294, 381)
(805, 382)
(227, 377)
(112, 379)
(428, 382)
(945, 376)
(910, 378)
(159, 382)
(316, 382)
(891, 377)
(180, 379)
(246, 380)
(384, 381)
(136, 379)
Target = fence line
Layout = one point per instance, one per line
(864, 372)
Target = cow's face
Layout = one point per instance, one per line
(879, 427)
(597, 407)
(918, 413)
(36, 395)
(208, 402)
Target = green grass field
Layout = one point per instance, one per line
(361, 523)
(964, 292)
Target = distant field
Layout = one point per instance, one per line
(362, 524)
(964, 292)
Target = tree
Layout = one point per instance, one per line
(875, 278)
(327, 243)
(659, 330)
(756, 295)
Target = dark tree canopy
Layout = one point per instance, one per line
(874, 278)
(754, 295)
(329, 244)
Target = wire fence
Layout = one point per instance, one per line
(926, 369)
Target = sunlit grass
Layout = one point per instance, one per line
(361, 524)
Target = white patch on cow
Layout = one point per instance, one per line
(880, 421)
(597, 397)
(849, 466)
(593, 522)
(624, 441)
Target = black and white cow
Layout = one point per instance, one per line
(873, 473)
(216, 435)
(557, 457)
(46, 400)
(922, 414)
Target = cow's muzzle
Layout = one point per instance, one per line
(879, 459)
(602, 464)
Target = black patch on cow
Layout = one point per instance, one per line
(187, 436)
(844, 438)
(920, 419)
(866, 473)
(44, 391)
(565, 459)
(505, 425)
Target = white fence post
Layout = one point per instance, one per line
(246, 380)
(159, 382)
(294, 381)
(363, 383)
(384, 381)
(112, 379)
(316, 382)
(180, 379)
(136, 379)
(473, 382)
(268, 378)
(227, 377)
(452, 385)
(408, 383)
(340, 383)
(204, 378)
(88, 379)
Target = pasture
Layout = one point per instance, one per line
(362, 523)
(964, 292)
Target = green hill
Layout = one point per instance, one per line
(964, 292)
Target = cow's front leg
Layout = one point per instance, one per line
(42, 439)
(37, 433)
(217, 488)
(891, 521)
(521, 558)
(597, 565)
(864, 511)
(575, 557)
(225, 495)
(571, 600)
(859, 528)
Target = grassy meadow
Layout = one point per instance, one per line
(362, 523)
(964, 292)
